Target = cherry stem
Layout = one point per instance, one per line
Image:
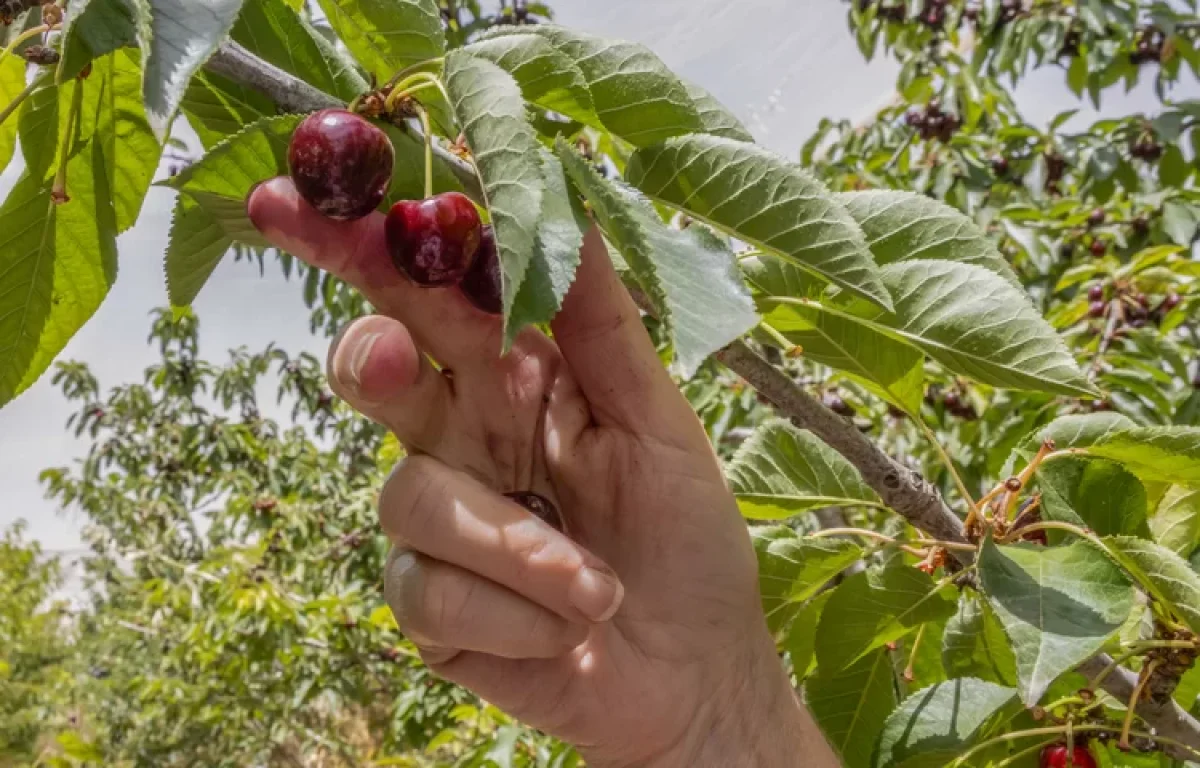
(26, 35)
(411, 70)
(1095, 682)
(18, 101)
(406, 87)
(428, 152)
(909, 671)
(1147, 673)
(1052, 525)
(876, 535)
(58, 193)
(1027, 751)
(777, 337)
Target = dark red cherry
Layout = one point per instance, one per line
(1097, 309)
(482, 284)
(1097, 217)
(1171, 301)
(341, 164)
(1099, 248)
(434, 241)
(1096, 292)
(1056, 756)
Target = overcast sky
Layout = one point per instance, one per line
(781, 65)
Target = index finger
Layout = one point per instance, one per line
(441, 320)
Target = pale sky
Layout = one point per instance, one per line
(780, 65)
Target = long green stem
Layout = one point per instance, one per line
(18, 101)
(58, 192)
(428, 153)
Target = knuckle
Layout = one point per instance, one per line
(414, 496)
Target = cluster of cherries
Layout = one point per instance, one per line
(933, 123)
(342, 166)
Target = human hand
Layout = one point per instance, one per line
(638, 636)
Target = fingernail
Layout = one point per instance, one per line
(597, 594)
(398, 564)
(359, 354)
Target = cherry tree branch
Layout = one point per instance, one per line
(901, 488)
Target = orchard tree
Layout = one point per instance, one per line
(945, 293)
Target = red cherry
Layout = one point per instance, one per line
(1055, 756)
(1097, 309)
(1097, 217)
(1171, 301)
(434, 241)
(482, 284)
(341, 164)
(1099, 248)
(1096, 292)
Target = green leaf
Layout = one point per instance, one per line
(891, 369)
(1096, 493)
(12, 82)
(38, 126)
(1176, 523)
(905, 226)
(852, 704)
(218, 184)
(58, 266)
(876, 607)
(791, 569)
(1164, 575)
(1181, 221)
(195, 246)
(939, 723)
(556, 256)
(715, 118)
(974, 644)
(689, 275)
(277, 33)
(181, 36)
(636, 97)
(218, 108)
(546, 76)
(1058, 605)
(782, 471)
(490, 108)
(976, 324)
(131, 151)
(387, 36)
(801, 635)
(96, 27)
(1164, 454)
(763, 200)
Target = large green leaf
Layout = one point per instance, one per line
(903, 226)
(782, 471)
(96, 27)
(12, 82)
(715, 117)
(489, 105)
(556, 256)
(1058, 605)
(182, 34)
(57, 263)
(1096, 493)
(876, 607)
(939, 723)
(973, 322)
(635, 96)
(41, 119)
(1163, 574)
(1176, 523)
(800, 637)
(387, 36)
(763, 200)
(217, 108)
(892, 369)
(1164, 454)
(1075, 431)
(792, 569)
(689, 275)
(851, 705)
(974, 644)
(219, 184)
(274, 31)
(547, 76)
(131, 151)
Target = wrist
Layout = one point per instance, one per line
(756, 720)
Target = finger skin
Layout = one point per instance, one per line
(601, 335)
(444, 609)
(449, 516)
(441, 319)
(375, 366)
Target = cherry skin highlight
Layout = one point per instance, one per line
(341, 164)
(1055, 756)
(482, 284)
(434, 241)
